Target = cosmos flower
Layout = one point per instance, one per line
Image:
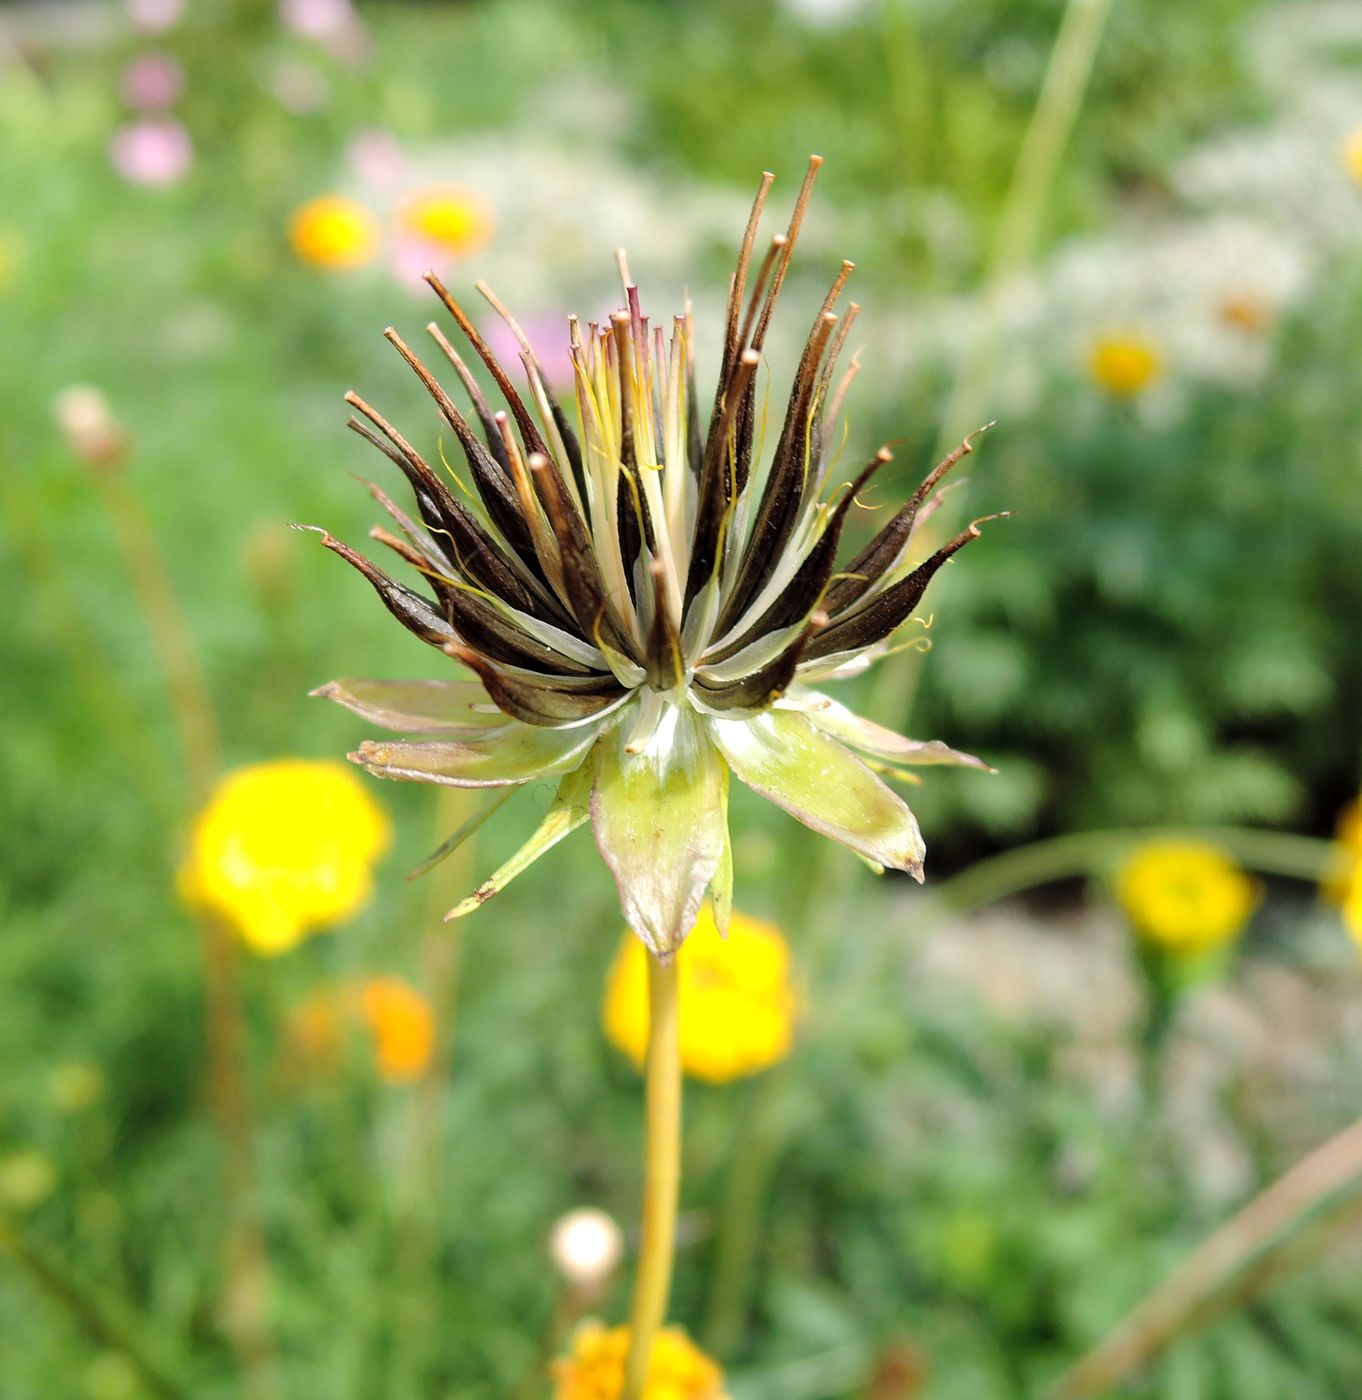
(153, 151)
(677, 1368)
(151, 82)
(284, 848)
(646, 605)
(737, 1000)
(154, 16)
(334, 232)
(1184, 897)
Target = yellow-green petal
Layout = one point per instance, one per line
(569, 810)
(515, 753)
(661, 818)
(781, 755)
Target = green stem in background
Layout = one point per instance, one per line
(94, 1316)
(1087, 853)
(1018, 230)
(246, 1253)
(440, 958)
(100, 687)
(176, 653)
(1012, 249)
(1212, 1266)
(741, 1220)
(661, 1174)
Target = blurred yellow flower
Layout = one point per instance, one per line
(736, 998)
(334, 232)
(1352, 907)
(677, 1369)
(27, 1179)
(75, 1086)
(456, 220)
(1346, 866)
(1351, 152)
(1185, 897)
(1123, 365)
(284, 848)
(397, 1020)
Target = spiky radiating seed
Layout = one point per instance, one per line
(645, 608)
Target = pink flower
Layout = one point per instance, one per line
(317, 19)
(377, 157)
(152, 82)
(153, 15)
(153, 151)
(546, 331)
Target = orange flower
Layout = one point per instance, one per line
(402, 1025)
(397, 1022)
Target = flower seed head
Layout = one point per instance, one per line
(644, 608)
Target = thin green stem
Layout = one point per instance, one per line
(94, 1316)
(191, 705)
(661, 1174)
(1086, 853)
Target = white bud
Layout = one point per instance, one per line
(87, 423)
(586, 1246)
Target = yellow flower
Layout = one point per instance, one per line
(284, 848)
(1184, 897)
(397, 1020)
(1124, 365)
(677, 1369)
(333, 232)
(403, 1027)
(456, 220)
(1352, 907)
(1351, 151)
(1345, 868)
(737, 1002)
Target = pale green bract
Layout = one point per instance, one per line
(645, 607)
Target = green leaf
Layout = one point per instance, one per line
(661, 820)
(571, 808)
(782, 756)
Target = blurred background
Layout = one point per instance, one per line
(1006, 1105)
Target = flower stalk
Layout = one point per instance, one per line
(661, 1173)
